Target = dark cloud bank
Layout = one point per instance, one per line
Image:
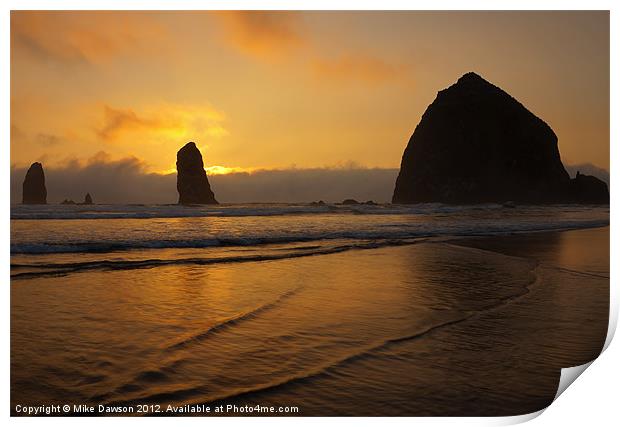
(125, 181)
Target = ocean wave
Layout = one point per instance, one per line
(113, 246)
(232, 321)
(59, 269)
(72, 212)
(381, 232)
(181, 211)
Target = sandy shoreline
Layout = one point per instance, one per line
(500, 361)
(476, 326)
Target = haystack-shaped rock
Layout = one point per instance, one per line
(476, 144)
(33, 189)
(192, 182)
(88, 200)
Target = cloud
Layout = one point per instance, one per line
(117, 121)
(262, 33)
(223, 170)
(306, 185)
(362, 68)
(164, 121)
(108, 181)
(269, 35)
(128, 181)
(86, 37)
(100, 36)
(17, 134)
(47, 139)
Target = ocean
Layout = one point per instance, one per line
(335, 310)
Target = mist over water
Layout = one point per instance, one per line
(126, 181)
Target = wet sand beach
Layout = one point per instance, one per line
(468, 326)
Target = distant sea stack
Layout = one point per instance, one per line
(88, 200)
(192, 182)
(477, 144)
(33, 189)
(589, 189)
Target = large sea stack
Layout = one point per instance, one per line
(192, 182)
(477, 144)
(33, 189)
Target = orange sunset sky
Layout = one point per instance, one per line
(264, 90)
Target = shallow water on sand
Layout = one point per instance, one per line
(469, 327)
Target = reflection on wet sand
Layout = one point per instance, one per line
(467, 327)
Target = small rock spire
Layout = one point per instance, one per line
(33, 189)
(192, 182)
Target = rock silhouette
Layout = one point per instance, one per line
(475, 144)
(88, 200)
(192, 182)
(67, 202)
(589, 189)
(33, 189)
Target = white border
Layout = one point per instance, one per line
(593, 400)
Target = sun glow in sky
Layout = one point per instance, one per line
(261, 90)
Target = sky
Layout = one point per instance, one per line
(287, 91)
